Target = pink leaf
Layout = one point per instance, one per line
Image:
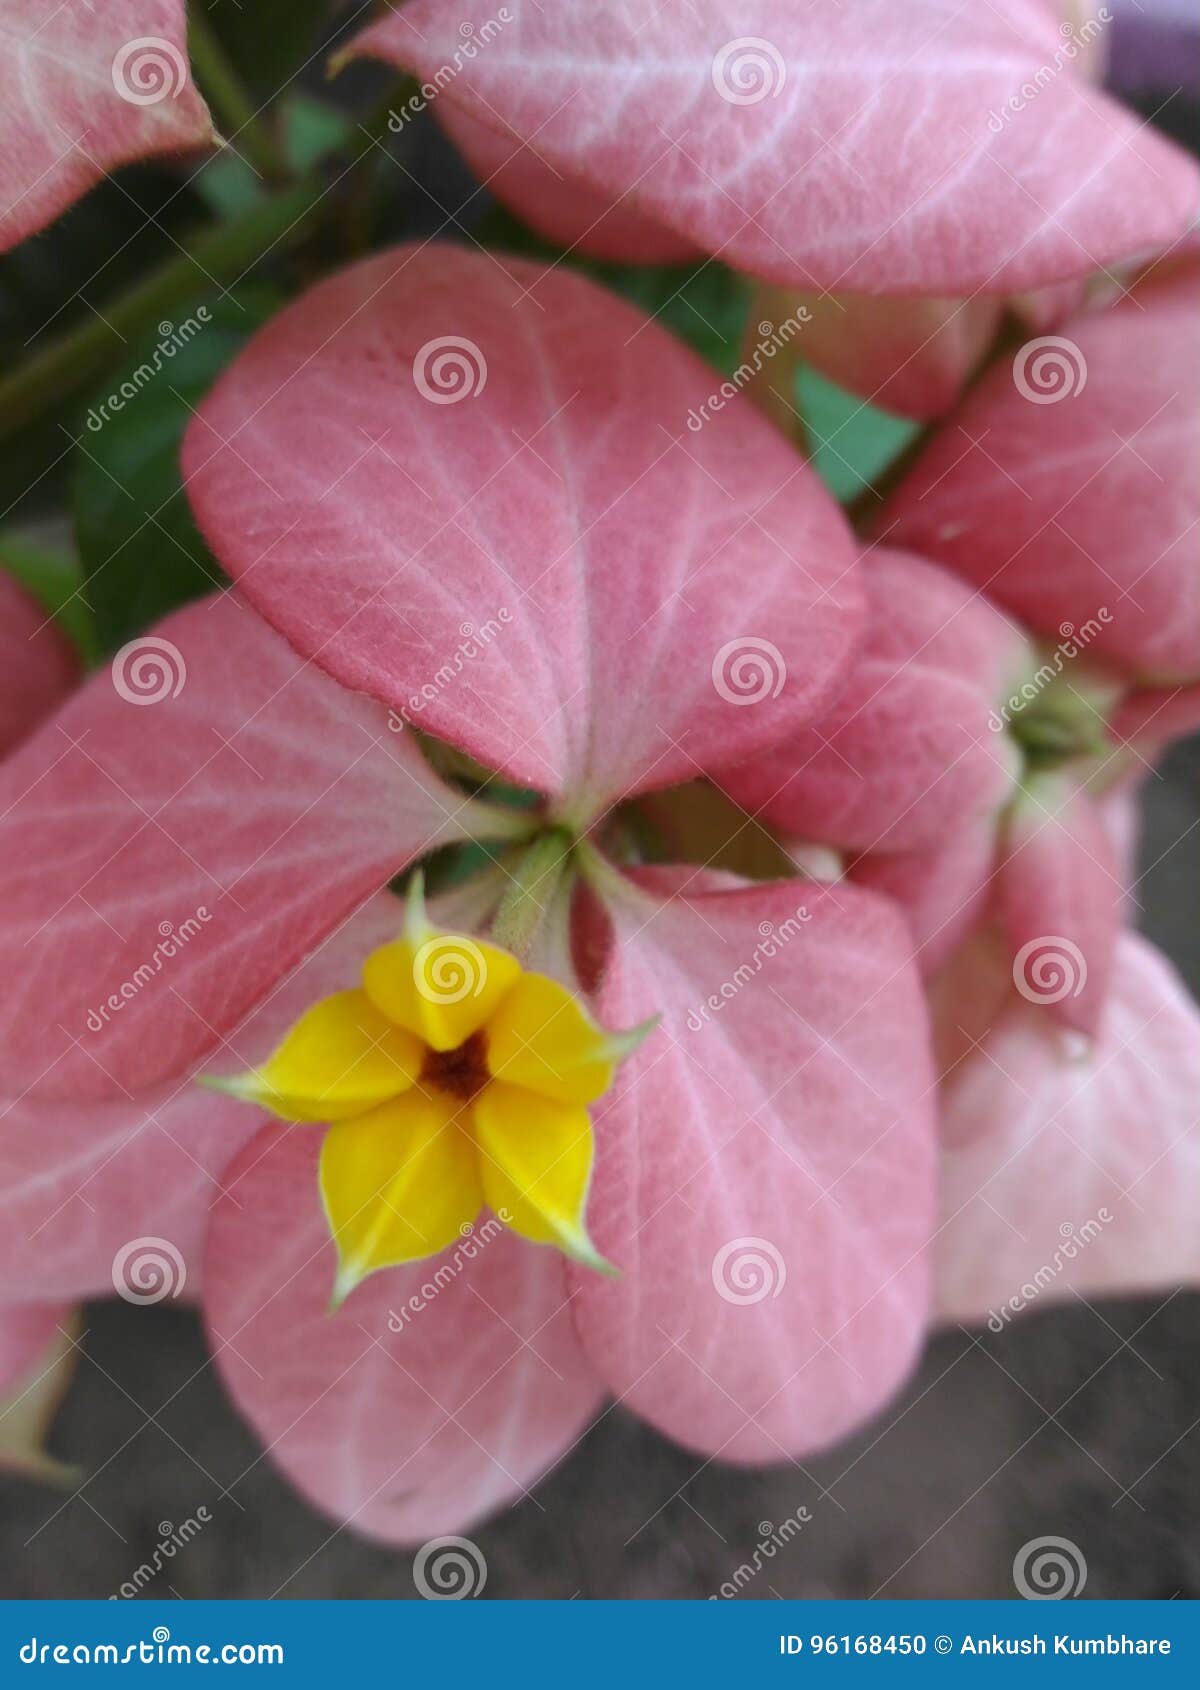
(862, 147)
(764, 1166)
(944, 888)
(911, 749)
(86, 1189)
(425, 1402)
(26, 1331)
(83, 89)
(1065, 483)
(562, 209)
(910, 356)
(1068, 1174)
(1061, 897)
(209, 795)
(473, 490)
(37, 666)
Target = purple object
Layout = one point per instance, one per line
(1154, 46)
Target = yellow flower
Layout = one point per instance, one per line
(451, 1078)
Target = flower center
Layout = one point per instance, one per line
(463, 1071)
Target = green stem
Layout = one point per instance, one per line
(234, 108)
(535, 881)
(220, 254)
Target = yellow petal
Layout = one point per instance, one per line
(535, 1157)
(398, 1184)
(542, 1038)
(441, 986)
(341, 1058)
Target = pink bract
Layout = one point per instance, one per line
(1072, 1173)
(435, 447)
(862, 147)
(1066, 489)
(37, 666)
(82, 90)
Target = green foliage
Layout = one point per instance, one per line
(704, 304)
(852, 442)
(141, 552)
(310, 131)
(53, 576)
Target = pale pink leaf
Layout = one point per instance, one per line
(85, 88)
(863, 147)
(210, 796)
(764, 1165)
(1069, 1173)
(473, 489)
(438, 1393)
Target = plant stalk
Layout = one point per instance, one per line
(221, 254)
(535, 882)
(235, 110)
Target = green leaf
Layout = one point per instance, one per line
(229, 185)
(852, 443)
(54, 577)
(704, 304)
(140, 550)
(312, 130)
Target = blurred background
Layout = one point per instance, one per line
(1079, 1421)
